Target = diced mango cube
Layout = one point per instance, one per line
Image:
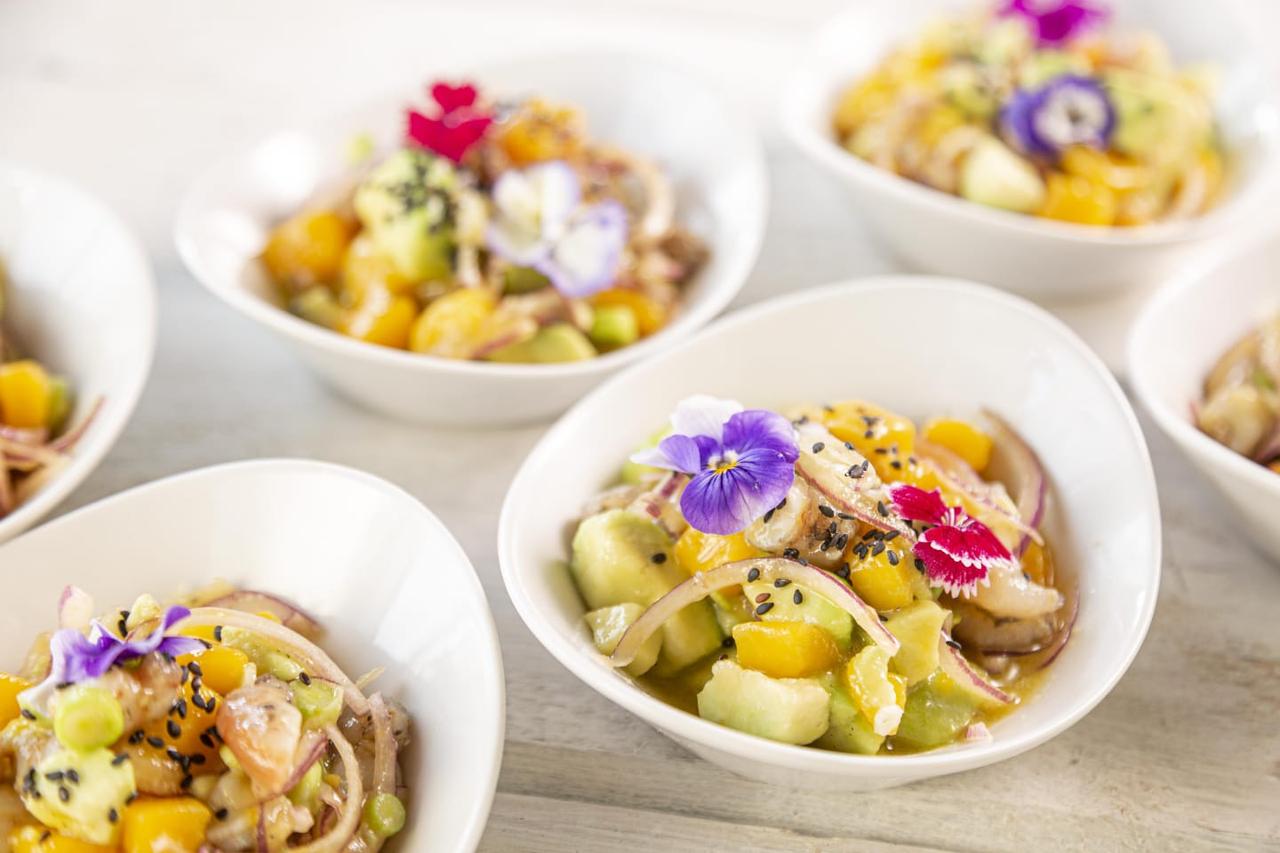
(650, 314)
(10, 687)
(696, 551)
(961, 438)
(542, 131)
(38, 839)
(383, 319)
(454, 324)
(307, 249)
(222, 667)
(25, 394)
(1071, 198)
(886, 439)
(163, 825)
(785, 649)
(884, 579)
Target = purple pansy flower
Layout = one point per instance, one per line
(75, 657)
(541, 223)
(1056, 21)
(1068, 110)
(742, 461)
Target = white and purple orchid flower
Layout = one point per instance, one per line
(1054, 22)
(742, 461)
(1068, 110)
(541, 223)
(75, 657)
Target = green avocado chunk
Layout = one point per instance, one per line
(97, 783)
(935, 713)
(789, 710)
(558, 343)
(608, 624)
(406, 204)
(992, 174)
(849, 730)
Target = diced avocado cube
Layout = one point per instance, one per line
(994, 175)
(917, 628)
(552, 344)
(516, 280)
(406, 204)
(935, 713)
(788, 710)
(104, 786)
(850, 731)
(614, 326)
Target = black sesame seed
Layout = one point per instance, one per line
(880, 508)
(841, 541)
(133, 795)
(206, 740)
(196, 683)
(892, 557)
(185, 675)
(877, 549)
(27, 714)
(764, 608)
(73, 777)
(120, 758)
(155, 741)
(137, 736)
(781, 582)
(54, 775)
(659, 558)
(848, 445)
(727, 642)
(953, 644)
(195, 668)
(890, 536)
(831, 529)
(868, 434)
(843, 571)
(174, 754)
(798, 597)
(817, 447)
(768, 516)
(919, 563)
(174, 730)
(197, 700)
(883, 618)
(882, 450)
(753, 574)
(186, 782)
(220, 814)
(304, 678)
(113, 815)
(181, 708)
(845, 516)
(217, 633)
(209, 704)
(197, 759)
(791, 553)
(826, 510)
(762, 597)
(64, 793)
(895, 465)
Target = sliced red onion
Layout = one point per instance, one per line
(75, 608)
(977, 733)
(1015, 464)
(1059, 643)
(310, 749)
(19, 435)
(703, 584)
(659, 504)
(352, 805)
(69, 439)
(384, 747)
(959, 670)
(253, 601)
(6, 490)
(310, 656)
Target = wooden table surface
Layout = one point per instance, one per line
(132, 98)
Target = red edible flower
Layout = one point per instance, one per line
(458, 125)
(958, 550)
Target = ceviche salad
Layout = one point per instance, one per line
(34, 405)
(1037, 106)
(498, 230)
(835, 578)
(213, 725)
(1241, 405)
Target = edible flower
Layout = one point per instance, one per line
(1053, 22)
(75, 657)
(541, 223)
(1068, 110)
(458, 125)
(742, 461)
(957, 551)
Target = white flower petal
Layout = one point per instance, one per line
(703, 414)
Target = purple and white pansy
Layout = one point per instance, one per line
(541, 223)
(741, 461)
(75, 657)
(1068, 110)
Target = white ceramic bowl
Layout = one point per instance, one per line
(917, 345)
(1178, 337)
(712, 155)
(386, 579)
(937, 232)
(81, 299)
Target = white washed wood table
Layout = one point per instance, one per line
(131, 98)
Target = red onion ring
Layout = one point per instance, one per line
(1015, 464)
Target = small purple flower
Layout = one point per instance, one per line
(541, 223)
(1055, 21)
(75, 657)
(742, 462)
(1068, 110)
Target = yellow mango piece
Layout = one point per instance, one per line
(174, 824)
(878, 434)
(454, 324)
(785, 649)
(1071, 198)
(650, 314)
(696, 551)
(221, 667)
(10, 687)
(883, 580)
(307, 249)
(1102, 167)
(366, 270)
(879, 694)
(542, 131)
(961, 438)
(25, 394)
(383, 319)
(938, 122)
(863, 100)
(38, 839)
(193, 735)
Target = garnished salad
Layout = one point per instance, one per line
(1038, 107)
(1241, 405)
(497, 230)
(34, 404)
(833, 577)
(213, 725)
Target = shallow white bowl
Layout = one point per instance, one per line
(712, 155)
(382, 574)
(917, 345)
(1178, 337)
(938, 232)
(81, 300)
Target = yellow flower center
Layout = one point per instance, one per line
(721, 464)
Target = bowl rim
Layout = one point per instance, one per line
(474, 823)
(111, 421)
(691, 317)
(1141, 335)
(797, 125)
(686, 726)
